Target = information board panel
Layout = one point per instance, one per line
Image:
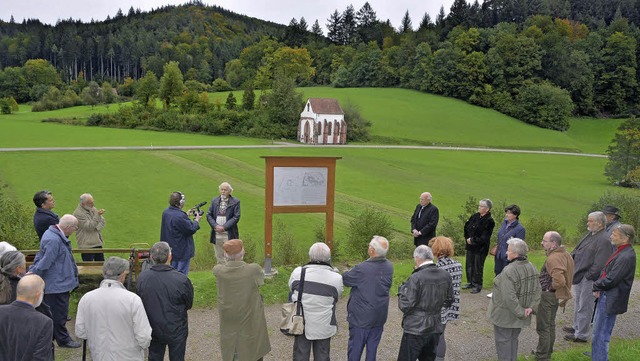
(300, 186)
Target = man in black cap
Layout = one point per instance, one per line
(613, 218)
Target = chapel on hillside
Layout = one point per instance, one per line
(322, 122)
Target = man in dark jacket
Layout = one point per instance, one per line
(612, 289)
(25, 334)
(44, 217)
(421, 299)
(368, 305)
(167, 295)
(223, 217)
(477, 233)
(178, 230)
(424, 220)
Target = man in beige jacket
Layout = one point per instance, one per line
(556, 278)
(90, 224)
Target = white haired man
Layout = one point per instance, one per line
(223, 217)
(424, 220)
(321, 289)
(368, 305)
(55, 264)
(90, 224)
(589, 256)
(421, 299)
(112, 319)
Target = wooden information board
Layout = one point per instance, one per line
(298, 185)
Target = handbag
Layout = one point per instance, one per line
(292, 315)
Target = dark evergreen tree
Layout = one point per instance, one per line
(405, 24)
(334, 28)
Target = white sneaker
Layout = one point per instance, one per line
(490, 295)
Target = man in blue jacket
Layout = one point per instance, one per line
(369, 300)
(55, 264)
(167, 295)
(178, 230)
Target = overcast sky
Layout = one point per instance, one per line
(279, 11)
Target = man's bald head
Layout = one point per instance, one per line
(30, 289)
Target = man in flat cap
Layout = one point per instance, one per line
(613, 218)
(243, 326)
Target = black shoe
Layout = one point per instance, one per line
(467, 286)
(68, 318)
(71, 344)
(568, 329)
(476, 290)
(575, 339)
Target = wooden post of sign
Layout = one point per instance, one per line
(298, 185)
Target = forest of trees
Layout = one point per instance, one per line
(537, 60)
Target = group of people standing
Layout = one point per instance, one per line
(600, 268)
(601, 265)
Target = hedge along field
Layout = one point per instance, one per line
(402, 116)
(25, 129)
(134, 186)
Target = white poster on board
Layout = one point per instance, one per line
(300, 186)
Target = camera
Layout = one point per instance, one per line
(195, 210)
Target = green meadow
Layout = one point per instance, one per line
(133, 186)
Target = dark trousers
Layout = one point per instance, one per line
(176, 350)
(87, 257)
(59, 305)
(546, 325)
(418, 347)
(474, 265)
(302, 349)
(361, 337)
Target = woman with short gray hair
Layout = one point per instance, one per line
(518, 280)
(477, 234)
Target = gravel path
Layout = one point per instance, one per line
(470, 338)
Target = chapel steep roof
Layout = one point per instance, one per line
(325, 106)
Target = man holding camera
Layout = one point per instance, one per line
(178, 230)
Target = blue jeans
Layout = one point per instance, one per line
(602, 328)
(182, 266)
(358, 338)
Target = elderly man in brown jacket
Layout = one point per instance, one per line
(556, 278)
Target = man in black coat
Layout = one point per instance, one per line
(477, 233)
(167, 295)
(44, 216)
(421, 299)
(424, 220)
(26, 334)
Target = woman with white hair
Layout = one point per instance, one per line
(516, 293)
(223, 216)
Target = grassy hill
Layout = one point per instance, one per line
(402, 116)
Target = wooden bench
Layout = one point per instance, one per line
(93, 268)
